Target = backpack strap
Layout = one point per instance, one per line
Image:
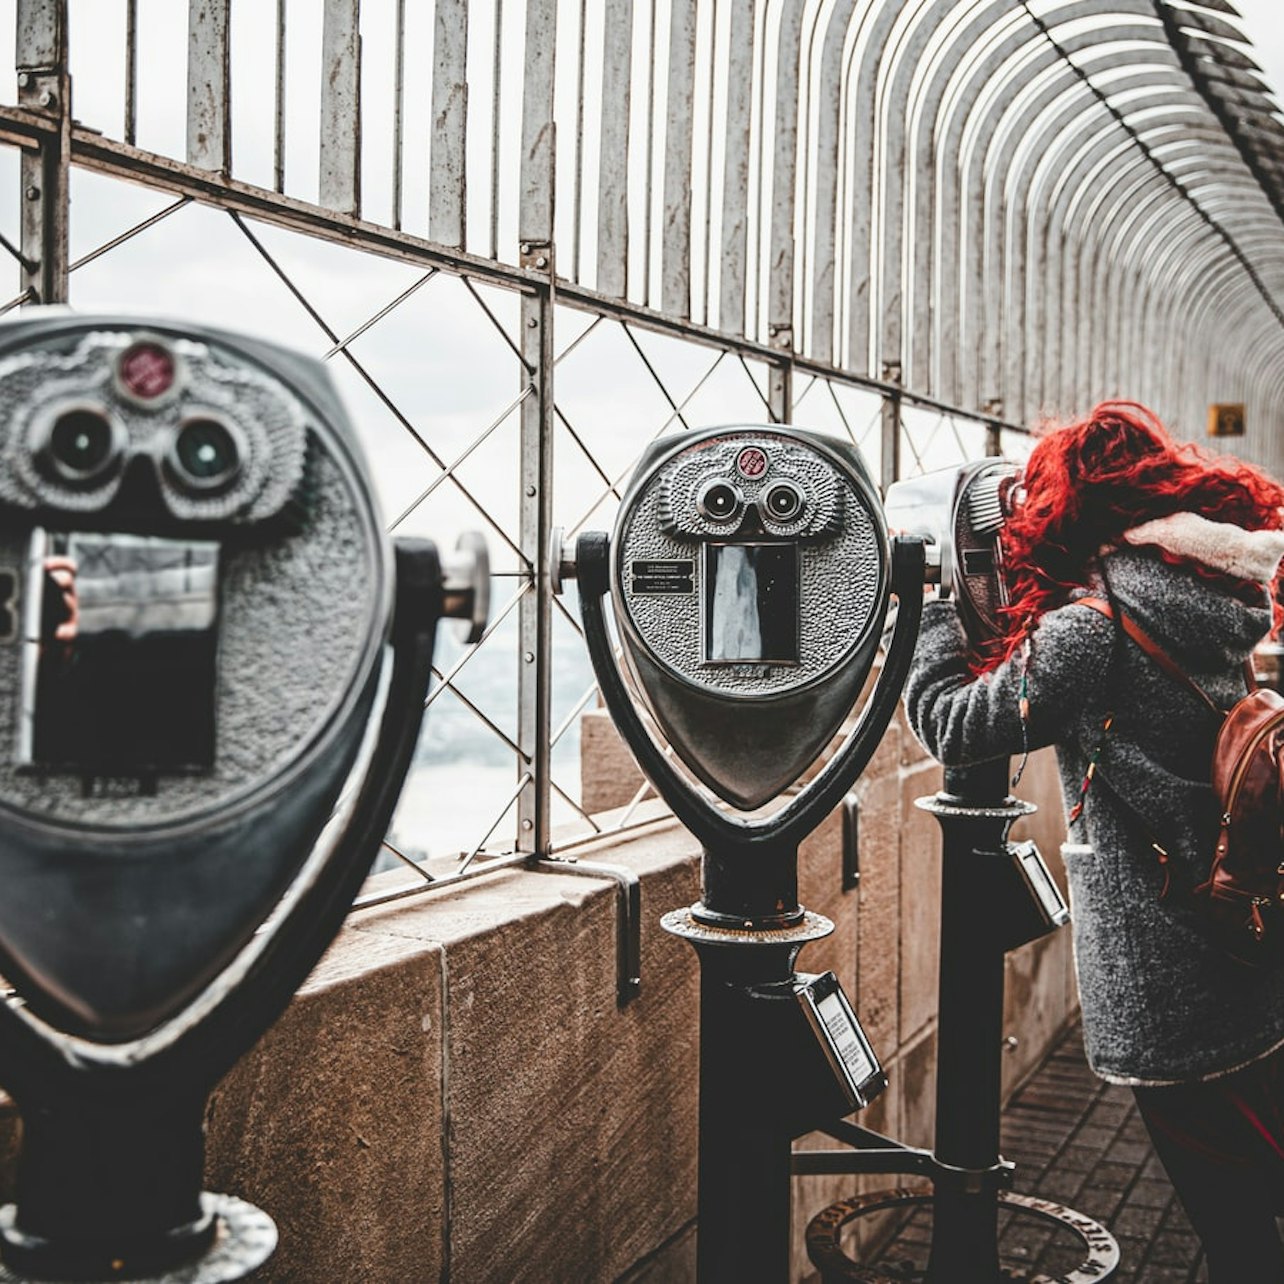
(1156, 652)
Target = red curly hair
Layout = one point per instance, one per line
(1087, 483)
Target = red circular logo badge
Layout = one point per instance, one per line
(146, 371)
(751, 462)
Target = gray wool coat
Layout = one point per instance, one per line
(1160, 1003)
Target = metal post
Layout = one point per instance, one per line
(44, 86)
(755, 930)
(535, 612)
(975, 815)
(535, 225)
(890, 455)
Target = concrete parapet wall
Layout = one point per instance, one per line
(455, 1093)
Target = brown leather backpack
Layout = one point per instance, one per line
(1242, 899)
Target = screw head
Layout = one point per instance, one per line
(33, 193)
(47, 98)
(542, 261)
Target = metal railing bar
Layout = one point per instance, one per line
(578, 296)
(579, 338)
(800, 396)
(675, 414)
(414, 864)
(132, 232)
(496, 121)
(646, 361)
(498, 324)
(448, 473)
(447, 678)
(578, 180)
(708, 162)
(569, 721)
(874, 420)
(22, 260)
(278, 125)
(610, 831)
(403, 893)
(481, 716)
(398, 110)
(18, 300)
(842, 415)
(131, 71)
(574, 806)
(122, 160)
(762, 396)
(372, 383)
(649, 178)
(379, 316)
(525, 779)
(588, 454)
(568, 616)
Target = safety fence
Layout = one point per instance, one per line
(529, 236)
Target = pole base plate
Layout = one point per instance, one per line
(244, 1238)
(683, 923)
(825, 1232)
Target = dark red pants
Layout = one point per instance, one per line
(1222, 1143)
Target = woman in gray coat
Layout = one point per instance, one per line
(1189, 545)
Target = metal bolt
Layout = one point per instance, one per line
(1011, 1043)
(529, 657)
(33, 193)
(532, 322)
(23, 80)
(47, 98)
(528, 824)
(530, 490)
(526, 247)
(542, 261)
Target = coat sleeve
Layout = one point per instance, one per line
(962, 719)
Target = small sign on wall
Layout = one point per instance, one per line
(1226, 420)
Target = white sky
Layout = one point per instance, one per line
(1264, 25)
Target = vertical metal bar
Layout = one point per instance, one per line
(278, 136)
(822, 339)
(448, 175)
(398, 112)
(131, 71)
(872, 187)
(44, 86)
(735, 168)
(889, 460)
(708, 164)
(613, 149)
(784, 182)
(577, 191)
(650, 158)
(675, 253)
(780, 391)
(496, 121)
(535, 225)
(209, 103)
(340, 186)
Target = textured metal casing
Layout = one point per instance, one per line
(123, 898)
(749, 729)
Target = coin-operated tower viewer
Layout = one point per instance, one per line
(213, 665)
(750, 575)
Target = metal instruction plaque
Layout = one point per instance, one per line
(838, 1030)
(1038, 880)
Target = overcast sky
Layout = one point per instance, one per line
(1264, 25)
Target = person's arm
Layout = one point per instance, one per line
(962, 719)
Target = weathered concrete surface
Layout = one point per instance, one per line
(333, 1123)
(455, 1094)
